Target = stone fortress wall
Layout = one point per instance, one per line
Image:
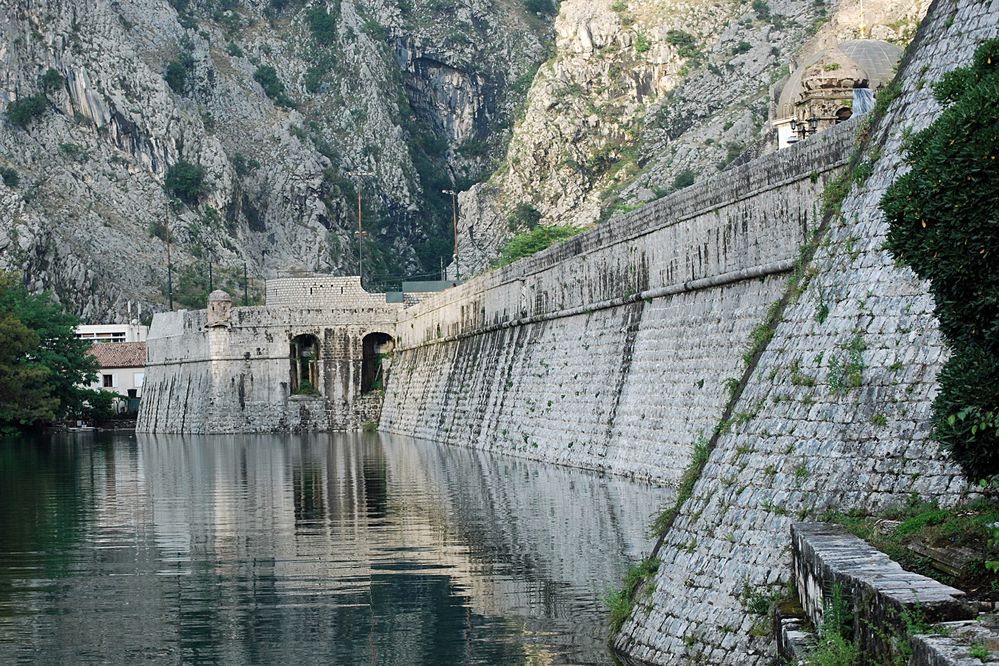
(612, 351)
(617, 350)
(809, 441)
(235, 377)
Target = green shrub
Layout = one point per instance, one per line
(185, 181)
(539, 6)
(530, 242)
(524, 216)
(268, 79)
(684, 179)
(177, 72)
(9, 177)
(322, 24)
(642, 43)
(620, 603)
(762, 9)
(942, 223)
(24, 111)
(51, 80)
(685, 44)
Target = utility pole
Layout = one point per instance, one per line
(169, 268)
(361, 234)
(454, 227)
(211, 282)
(246, 291)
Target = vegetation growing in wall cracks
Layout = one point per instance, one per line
(621, 603)
(943, 223)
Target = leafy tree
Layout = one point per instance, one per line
(186, 181)
(943, 222)
(44, 367)
(178, 71)
(24, 111)
(25, 394)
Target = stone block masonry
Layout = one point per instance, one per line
(836, 411)
(612, 351)
(237, 374)
(878, 593)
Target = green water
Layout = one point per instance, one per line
(333, 549)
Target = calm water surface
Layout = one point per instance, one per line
(336, 549)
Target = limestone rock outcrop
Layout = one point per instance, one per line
(643, 96)
(286, 107)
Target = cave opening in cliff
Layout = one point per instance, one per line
(376, 346)
(304, 365)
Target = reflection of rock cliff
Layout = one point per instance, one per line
(285, 106)
(641, 96)
(379, 546)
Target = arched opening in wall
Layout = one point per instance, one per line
(304, 365)
(843, 114)
(376, 347)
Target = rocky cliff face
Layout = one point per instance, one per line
(644, 96)
(279, 109)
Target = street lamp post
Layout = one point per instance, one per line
(454, 228)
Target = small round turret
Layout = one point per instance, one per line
(219, 308)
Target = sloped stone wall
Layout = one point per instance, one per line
(812, 441)
(612, 351)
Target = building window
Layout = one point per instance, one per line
(108, 381)
(138, 378)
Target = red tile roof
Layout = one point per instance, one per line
(120, 354)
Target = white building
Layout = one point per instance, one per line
(122, 367)
(133, 332)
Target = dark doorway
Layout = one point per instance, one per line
(376, 346)
(305, 365)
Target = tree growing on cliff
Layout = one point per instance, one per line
(944, 222)
(44, 367)
(185, 181)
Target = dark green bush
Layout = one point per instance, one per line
(9, 177)
(51, 80)
(185, 181)
(524, 216)
(268, 79)
(944, 222)
(685, 44)
(177, 72)
(24, 111)
(684, 179)
(322, 24)
(539, 6)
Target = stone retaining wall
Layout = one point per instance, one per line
(612, 351)
(876, 591)
(806, 439)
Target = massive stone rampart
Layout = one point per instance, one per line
(836, 412)
(611, 351)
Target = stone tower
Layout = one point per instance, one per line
(219, 309)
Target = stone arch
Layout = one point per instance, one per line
(304, 357)
(374, 347)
